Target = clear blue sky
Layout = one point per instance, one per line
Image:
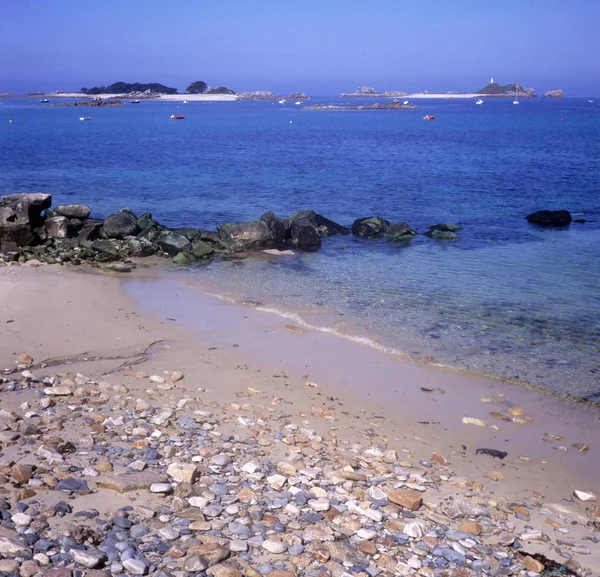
(318, 46)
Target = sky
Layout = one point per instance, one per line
(320, 47)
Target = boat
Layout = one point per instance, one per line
(429, 117)
(45, 100)
(591, 101)
(185, 102)
(298, 103)
(85, 118)
(282, 101)
(405, 103)
(479, 101)
(134, 102)
(177, 117)
(516, 100)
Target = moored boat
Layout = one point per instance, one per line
(177, 117)
(134, 102)
(429, 117)
(45, 100)
(479, 101)
(85, 118)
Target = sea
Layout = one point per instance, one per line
(507, 298)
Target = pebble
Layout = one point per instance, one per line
(277, 547)
(161, 488)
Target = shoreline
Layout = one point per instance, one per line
(163, 97)
(237, 354)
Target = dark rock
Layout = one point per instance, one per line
(305, 236)
(146, 220)
(201, 249)
(118, 267)
(279, 227)
(73, 211)
(28, 207)
(550, 217)
(150, 233)
(442, 234)
(107, 247)
(120, 225)
(189, 233)
(173, 242)
(325, 226)
(138, 247)
(370, 227)
(57, 227)
(71, 485)
(14, 235)
(241, 236)
(399, 231)
(90, 230)
(7, 214)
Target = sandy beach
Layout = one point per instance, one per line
(382, 447)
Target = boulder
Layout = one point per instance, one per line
(73, 211)
(14, 235)
(305, 236)
(172, 242)
(443, 231)
(7, 214)
(399, 231)
(279, 227)
(146, 220)
(138, 247)
(57, 227)
(189, 233)
(370, 227)
(120, 224)
(28, 207)
(106, 247)
(201, 249)
(241, 236)
(90, 230)
(325, 226)
(183, 258)
(550, 217)
(150, 233)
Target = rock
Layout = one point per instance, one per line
(145, 221)
(13, 547)
(130, 481)
(183, 472)
(163, 488)
(275, 547)
(305, 236)
(584, 496)
(399, 231)
(241, 236)
(346, 552)
(120, 224)
(228, 570)
(183, 258)
(28, 207)
(21, 519)
(370, 227)
(279, 227)
(173, 242)
(532, 564)
(554, 94)
(201, 249)
(594, 515)
(71, 485)
(406, 498)
(90, 230)
(443, 231)
(58, 391)
(324, 226)
(471, 527)
(195, 564)
(135, 566)
(550, 217)
(14, 235)
(24, 359)
(211, 552)
(9, 566)
(118, 267)
(57, 227)
(20, 474)
(89, 558)
(73, 211)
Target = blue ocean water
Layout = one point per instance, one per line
(506, 298)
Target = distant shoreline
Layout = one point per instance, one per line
(165, 97)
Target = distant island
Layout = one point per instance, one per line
(393, 105)
(491, 89)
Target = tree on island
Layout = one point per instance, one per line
(198, 87)
(127, 88)
(221, 90)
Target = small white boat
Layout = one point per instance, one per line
(85, 118)
(405, 103)
(134, 102)
(185, 102)
(282, 101)
(479, 101)
(298, 103)
(45, 100)
(591, 101)
(516, 100)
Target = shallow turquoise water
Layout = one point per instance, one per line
(507, 297)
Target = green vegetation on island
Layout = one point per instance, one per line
(126, 88)
(494, 89)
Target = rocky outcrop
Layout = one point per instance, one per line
(20, 216)
(298, 96)
(73, 211)
(324, 226)
(370, 227)
(550, 217)
(444, 231)
(512, 89)
(241, 236)
(304, 235)
(120, 224)
(393, 105)
(399, 231)
(554, 94)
